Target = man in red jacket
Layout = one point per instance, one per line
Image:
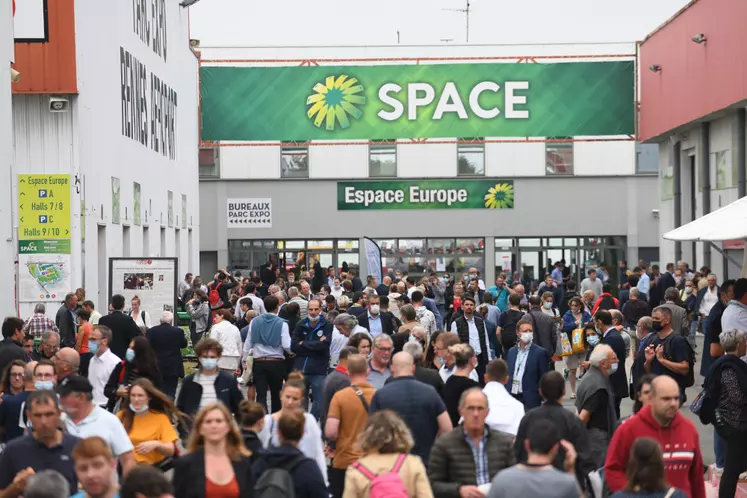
(677, 436)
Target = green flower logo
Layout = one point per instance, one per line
(334, 100)
(500, 196)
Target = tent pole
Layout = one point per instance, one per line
(677, 180)
(733, 261)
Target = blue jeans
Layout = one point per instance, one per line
(719, 448)
(442, 310)
(314, 384)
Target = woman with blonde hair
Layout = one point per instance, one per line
(141, 317)
(385, 443)
(147, 420)
(310, 443)
(217, 463)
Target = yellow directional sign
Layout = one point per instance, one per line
(43, 207)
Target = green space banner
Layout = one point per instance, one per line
(426, 194)
(385, 102)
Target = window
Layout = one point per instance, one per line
(208, 161)
(470, 159)
(646, 158)
(294, 162)
(382, 159)
(558, 157)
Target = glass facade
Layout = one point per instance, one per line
(422, 256)
(292, 254)
(535, 257)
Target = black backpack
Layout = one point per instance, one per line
(508, 331)
(689, 379)
(277, 482)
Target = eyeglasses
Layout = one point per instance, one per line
(17, 375)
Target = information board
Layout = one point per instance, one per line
(43, 207)
(153, 280)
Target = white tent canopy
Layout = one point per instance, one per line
(726, 223)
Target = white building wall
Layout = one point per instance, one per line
(338, 161)
(426, 161)
(7, 209)
(604, 158)
(515, 159)
(87, 143)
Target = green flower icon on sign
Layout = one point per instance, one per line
(500, 196)
(334, 100)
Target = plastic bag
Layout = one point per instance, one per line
(577, 341)
(566, 345)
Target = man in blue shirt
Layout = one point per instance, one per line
(500, 292)
(46, 448)
(644, 283)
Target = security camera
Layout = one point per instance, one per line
(655, 68)
(194, 43)
(700, 38)
(58, 104)
(655, 213)
(15, 76)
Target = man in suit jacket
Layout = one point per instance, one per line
(680, 323)
(168, 342)
(665, 282)
(527, 363)
(382, 322)
(611, 337)
(67, 321)
(123, 327)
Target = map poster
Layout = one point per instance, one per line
(44, 270)
(153, 280)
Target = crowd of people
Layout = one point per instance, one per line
(316, 384)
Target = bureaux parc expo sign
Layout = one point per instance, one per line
(417, 101)
(426, 194)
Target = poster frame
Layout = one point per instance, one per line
(176, 277)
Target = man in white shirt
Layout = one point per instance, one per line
(84, 419)
(426, 317)
(504, 411)
(102, 363)
(707, 297)
(95, 315)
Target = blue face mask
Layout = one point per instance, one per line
(593, 340)
(612, 369)
(93, 347)
(209, 363)
(43, 385)
(130, 355)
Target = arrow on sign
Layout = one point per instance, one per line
(22, 193)
(21, 181)
(21, 206)
(21, 219)
(248, 221)
(67, 232)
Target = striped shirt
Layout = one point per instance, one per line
(208, 388)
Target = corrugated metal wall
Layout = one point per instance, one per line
(44, 140)
(50, 67)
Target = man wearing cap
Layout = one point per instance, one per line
(83, 418)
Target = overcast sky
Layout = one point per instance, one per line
(351, 22)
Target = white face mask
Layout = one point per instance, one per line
(527, 337)
(374, 309)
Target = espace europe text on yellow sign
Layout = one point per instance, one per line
(43, 207)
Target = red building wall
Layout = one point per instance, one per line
(695, 80)
(50, 67)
